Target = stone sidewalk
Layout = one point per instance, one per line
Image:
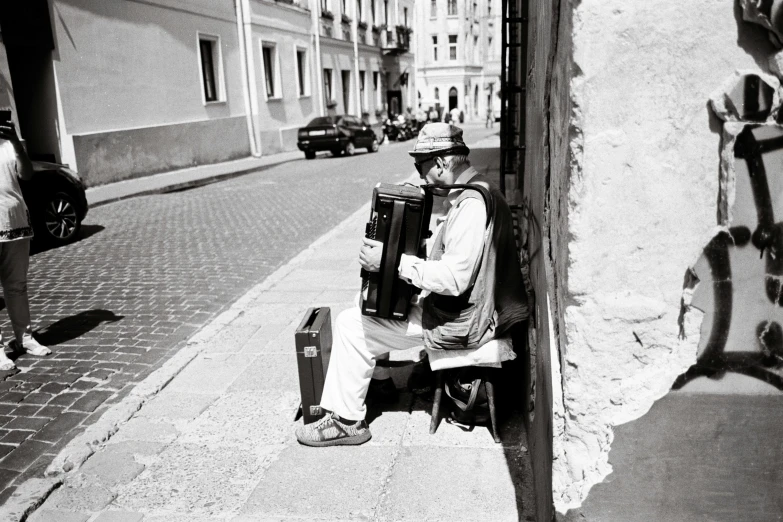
(210, 435)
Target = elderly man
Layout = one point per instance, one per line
(471, 289)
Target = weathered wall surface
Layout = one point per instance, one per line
(638, 182)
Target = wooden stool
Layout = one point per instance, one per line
(487, 375)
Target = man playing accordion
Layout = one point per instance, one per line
(471, 290)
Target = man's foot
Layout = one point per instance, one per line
(30, 346)
(331, 430)
(382, 391)
(6, 364)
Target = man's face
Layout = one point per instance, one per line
(429, 170)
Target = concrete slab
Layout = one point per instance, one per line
(512, 432)
(270, 373)
(174, 406)
(51, 515)
(119, 516)
(388, 426)
(339, 483)
(261, 313)
(254, 419)
(320, 280)
(432, 483)
(211, 374)
(111, 466)
(276, 339)
(196, 480)
(79, 495)
(231, 338)
(287, 294)
(145, 429)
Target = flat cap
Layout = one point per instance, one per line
(438, 139)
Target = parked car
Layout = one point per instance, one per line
(57, 203)
(338, 134)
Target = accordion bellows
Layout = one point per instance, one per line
(399, 219)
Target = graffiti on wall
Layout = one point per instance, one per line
(741, 269)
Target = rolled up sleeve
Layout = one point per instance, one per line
(463, 243)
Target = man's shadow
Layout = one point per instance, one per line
(72, 327)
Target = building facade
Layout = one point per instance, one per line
(458, 53)
(120, 89)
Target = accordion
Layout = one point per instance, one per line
(400, 220)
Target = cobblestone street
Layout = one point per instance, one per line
(151, 271)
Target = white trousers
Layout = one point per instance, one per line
(357, 341)
(14, 262)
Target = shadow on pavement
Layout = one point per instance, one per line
(36, 247)
(74, 326)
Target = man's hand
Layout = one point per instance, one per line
(370, 255)
(8, 132)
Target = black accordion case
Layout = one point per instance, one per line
(400, 220)
(313, 347)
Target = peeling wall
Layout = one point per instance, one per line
(630, 173)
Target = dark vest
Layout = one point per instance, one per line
(497, 299)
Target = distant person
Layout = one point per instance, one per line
(15, 234)
(490, 123)
(433, 116)
(455, 115)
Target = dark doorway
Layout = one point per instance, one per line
(453, 96)
(346, 79)
(28, 40)
(394, 99)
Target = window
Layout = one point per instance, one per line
(271, 70)
(211, 68)
(475, 49)
(452, 47)
(452, 8)
(489, 9)
(405, 16)
(362, 92)
(490, 51)
(433, 8)
(328, 85)
(437, 93)
(359, 13)
(386, 12)
(373, 13)
(325, 5)
(302, 72)
(346, 78)
(434, 48)
(344, 5)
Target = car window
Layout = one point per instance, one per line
(323, 120)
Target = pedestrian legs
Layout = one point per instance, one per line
(14, 262)
(357, 341)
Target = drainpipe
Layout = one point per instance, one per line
(356, 83)
(245, 31)
(319, 72)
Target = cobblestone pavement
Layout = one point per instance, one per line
(148, 273)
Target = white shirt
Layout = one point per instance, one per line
(463, 244)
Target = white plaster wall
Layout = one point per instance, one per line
(125, 64)
(288, 28)
(642, 204)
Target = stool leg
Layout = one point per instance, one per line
(490, 389)
(436, 400)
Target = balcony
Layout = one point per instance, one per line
(397, 41)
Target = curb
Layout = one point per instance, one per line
(34, 492)
(191, 183)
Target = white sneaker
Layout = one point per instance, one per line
(31, 346)
(6, 364)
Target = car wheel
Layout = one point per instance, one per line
(310, 154)
(350, 150)
(337, 152)
(60, 222)
(373, 146)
